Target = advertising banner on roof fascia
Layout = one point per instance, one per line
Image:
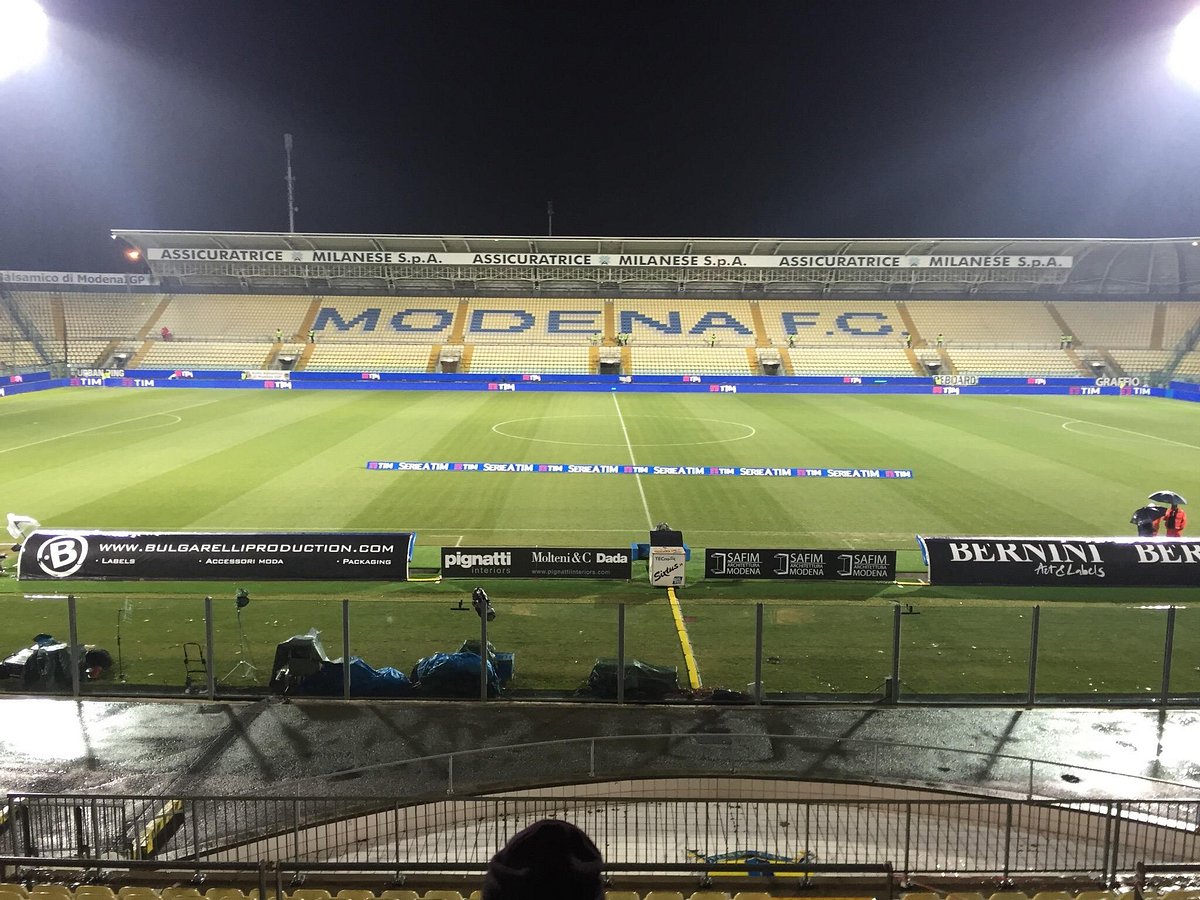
(613, 260)
(537, 562)
(58, 279)
(221, 556)
(1063, 561)
(800, 565)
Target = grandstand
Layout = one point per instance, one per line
(242, 306)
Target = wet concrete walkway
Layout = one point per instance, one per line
(337, 748)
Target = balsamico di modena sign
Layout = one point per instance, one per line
(803, 565)
(536, 562)
(192, 556)
(1096, 562)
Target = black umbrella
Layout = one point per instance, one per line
(1147, 514)
(1167, 497)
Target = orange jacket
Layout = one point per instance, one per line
(1176, 521)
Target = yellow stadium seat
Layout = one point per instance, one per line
(399, 895)
(1009, 895)
(443, 895)
(51, 890)
(663, 895)
(14, 888)
(964, 895)
(1053, 895)
(476, 895)
(1181, 895)
(180, 893)
(709, 895)
(137, 892)
(1098, 895)
(355, 894)
(621, 895)
(94, 892)
(224, 893)
(752, 895)
(921, 895)
(10, 895)
(309, 894)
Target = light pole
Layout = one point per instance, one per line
(291, 184)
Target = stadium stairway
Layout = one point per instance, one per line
(1159, 327)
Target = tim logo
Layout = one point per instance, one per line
(62, 556)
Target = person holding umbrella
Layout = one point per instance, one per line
(1175, 518)
(1147, 519)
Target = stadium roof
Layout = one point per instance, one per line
(949, 266)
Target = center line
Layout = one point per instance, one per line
(632, 461)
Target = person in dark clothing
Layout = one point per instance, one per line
(1147, 519)
(549, 860)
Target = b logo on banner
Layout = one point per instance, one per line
(62, 556)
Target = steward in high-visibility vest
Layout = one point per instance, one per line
(1176, 521)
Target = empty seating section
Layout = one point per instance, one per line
(417, 320)
(1114, 324)
(343, 356)
(689, 361)
(108, 316)
(849, 361)
(85, 353)
(18, 353)
(556, 335)
(686, 322)
(207, 355)
(35, 309)
(1180, 317)
(985, 322)
(970, 361)
(530, 358)
(874, 322)
(232, 317)
(1189, 367)
(501, 320)
(1141, 362)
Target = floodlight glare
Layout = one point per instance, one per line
(1184, 58)
(23, 28)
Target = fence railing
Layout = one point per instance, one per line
(1002, 838)
(1013, 654)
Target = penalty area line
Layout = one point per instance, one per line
(58, 437)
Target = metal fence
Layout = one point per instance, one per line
(1004, 838)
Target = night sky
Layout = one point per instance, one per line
(839, 118)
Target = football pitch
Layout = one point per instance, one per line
(185, 459)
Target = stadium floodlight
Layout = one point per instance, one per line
(1184, 58)
(23, 30)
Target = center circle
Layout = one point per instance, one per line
(744, 431)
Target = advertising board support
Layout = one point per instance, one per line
(483, 656)
(73, 629)
(620, 653)
(346, 649)
(210, 674)
(894, 687)
(758, 654)
(1034, 634)
(1168, 647)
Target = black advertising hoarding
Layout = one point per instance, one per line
(536, 562)
(223, 556)
(801, 565)
(1063, 561)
